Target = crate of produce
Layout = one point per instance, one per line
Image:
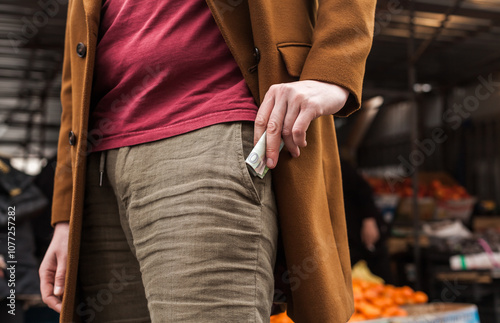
(439, 313)
(426, 208)
(439, 196)
(455, 209)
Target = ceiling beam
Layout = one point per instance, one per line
(426, 44)
(438, 8)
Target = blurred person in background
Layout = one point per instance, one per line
(367, 231)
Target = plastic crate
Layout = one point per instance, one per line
(459, 209)
(439, 313)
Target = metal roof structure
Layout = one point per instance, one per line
(31, 43)
(456, 40)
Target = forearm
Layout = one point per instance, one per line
(342, 40)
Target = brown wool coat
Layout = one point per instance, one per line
(296, 39)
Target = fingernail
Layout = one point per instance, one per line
(269, 163)
(57, 290)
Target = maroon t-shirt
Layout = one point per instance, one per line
(162, 68)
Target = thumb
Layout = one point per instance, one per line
(60, 277)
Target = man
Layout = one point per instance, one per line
(302, 63)
(366, 228)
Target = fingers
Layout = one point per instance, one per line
(300, 126)
(54, 303)
(368, 241)
(47, 278)
(278, 115)
(263, 115)
(46, 273)
(52, 276)
(370, 233)
(274, 127)
(292, 112)
(53, 268)
(60, 277)
(287, 111)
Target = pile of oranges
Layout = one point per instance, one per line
(433, 188)
(376, 300)
(281, 318)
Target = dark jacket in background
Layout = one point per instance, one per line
(359, 205)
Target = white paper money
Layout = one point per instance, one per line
(257, 160)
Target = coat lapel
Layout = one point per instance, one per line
(233, 19)
(92, 15)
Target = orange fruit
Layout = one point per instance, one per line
(356, 317)
(370, 311)
(357, 291)
(370, 294)
(281, 318)
(407, 291)
(379, 288)
(358, 297)
(399, 300)
(390, 311)
(401, 312)
(420, 297)
(389, 290)
(359, 305)
(364, 284)
(382, 302)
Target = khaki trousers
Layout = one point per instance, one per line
(179, 231)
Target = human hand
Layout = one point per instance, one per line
(53, 268)
(288, 109)
(3, 266)
(369, 233)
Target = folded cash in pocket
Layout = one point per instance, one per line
(256, 159)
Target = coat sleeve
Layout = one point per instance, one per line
(63, 181)
(342, 39)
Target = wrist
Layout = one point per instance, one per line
(64, 225)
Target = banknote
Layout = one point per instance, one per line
(256, 159)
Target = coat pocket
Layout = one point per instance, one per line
(294, 56)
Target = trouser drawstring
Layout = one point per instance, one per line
(102, 163)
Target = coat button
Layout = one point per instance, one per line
(81, 49)
(256, 54)
(72, 138)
